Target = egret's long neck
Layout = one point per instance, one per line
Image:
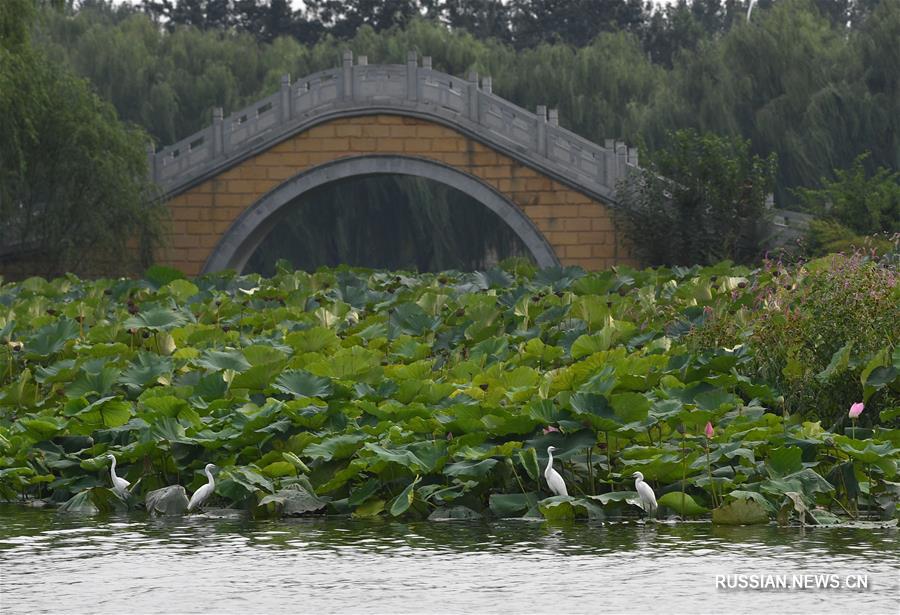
(210, 477)
(112, 468)
(549, 459)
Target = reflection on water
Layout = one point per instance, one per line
(52, 562)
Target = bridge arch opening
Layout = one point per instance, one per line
(269, 221)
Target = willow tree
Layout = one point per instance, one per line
(74, 194)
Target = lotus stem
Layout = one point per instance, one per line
(843, 507)
(869, 478)
(590, 468)
(519, 480)
(712, 485)
(608, 461)
(683, 472)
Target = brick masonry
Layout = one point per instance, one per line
(580, 229)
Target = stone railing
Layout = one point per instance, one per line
(468, 105)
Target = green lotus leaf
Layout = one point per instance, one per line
(512, 504)
(477, 470)
(238, 483)
(740, 512)
(866, 452)
(223, 359)
(403, 501)
(51, 338)
(784, 460)
(629, 497)
(683, 504)
(300, 383)
(100, 382)
(337, 447)
(315, 339)
(147, 369)
(839, 362)
(156, 319)
(410, 319)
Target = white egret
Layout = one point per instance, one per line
(120, 485)
(554, 480)
(648, 498)
(201, 494)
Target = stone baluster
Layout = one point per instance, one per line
(609, 159)
(473, 96)
(412, 76)
(542, 129)
(286, 99)
(426, 62)
(347, 94)
(151, 161)
(362, 61)
(621, 159)
(218, 127)
(553, 117)
(487, 85)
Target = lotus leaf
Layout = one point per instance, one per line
(681, 503)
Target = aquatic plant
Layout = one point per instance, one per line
(378, 393)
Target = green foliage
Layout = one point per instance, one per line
(16, 18)
(700, 199)
(819, 332)
(74, 193)
(433, 396)
(854, 205)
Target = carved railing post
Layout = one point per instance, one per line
(473, 96)
(633, 156)
(542, 129)
(621, 160)
(458, 102)
(151, 161)
(218, 132)
(285, 99)
(412, 77)
(347, 81)
(609, 167)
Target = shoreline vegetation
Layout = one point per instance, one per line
(392, 394)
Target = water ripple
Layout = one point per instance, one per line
(227, 564)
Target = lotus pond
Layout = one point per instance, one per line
(389, 395)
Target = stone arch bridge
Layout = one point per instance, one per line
(224, 185)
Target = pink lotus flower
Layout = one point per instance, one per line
(856, 409)
(550, 429)
(710, 432)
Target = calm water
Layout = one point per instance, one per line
(58, 563)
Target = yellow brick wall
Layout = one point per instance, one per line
(580, 229)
